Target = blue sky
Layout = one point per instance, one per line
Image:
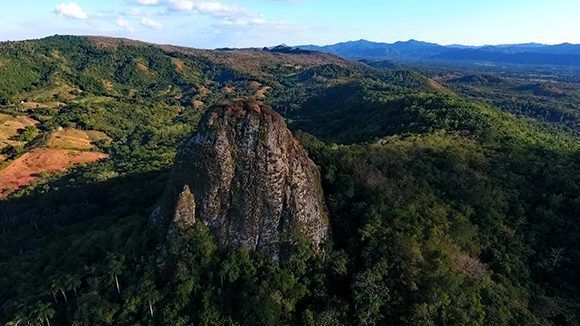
(242, 23)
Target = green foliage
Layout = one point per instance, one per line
(444, 228)
(28, 134)
(552, 96)
(444, 210)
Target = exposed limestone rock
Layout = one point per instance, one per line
(184, 215)
(248, 179)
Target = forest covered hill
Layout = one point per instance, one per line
(453, 195)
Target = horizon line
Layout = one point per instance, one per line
(304, 44)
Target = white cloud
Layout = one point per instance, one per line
(218, 9)
(151, 23)
(226, 16)
(123, 23)
(244, 22)
(229, 14)
(213, 7)
(181, 5)
(70, 10)
(147, 2)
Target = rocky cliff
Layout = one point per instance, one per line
(248, 179)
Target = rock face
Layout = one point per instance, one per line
(248, 179)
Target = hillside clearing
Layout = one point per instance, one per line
(75, 139)
(27, 168)
(11, 126)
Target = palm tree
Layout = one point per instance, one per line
(54, 289)
(42, 312)
(17, 320)
(115, 267)
(60, 284)
(73, 282)
(150, 295)
(21, 316)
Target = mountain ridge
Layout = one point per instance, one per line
(412, 50)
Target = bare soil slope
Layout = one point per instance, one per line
(26, 169)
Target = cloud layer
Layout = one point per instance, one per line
(204, 21)
(222, 13)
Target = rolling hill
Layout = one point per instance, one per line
(441, 201)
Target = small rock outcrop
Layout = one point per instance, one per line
(184, 214)
(246, 177)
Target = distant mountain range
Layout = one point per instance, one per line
(529, 53)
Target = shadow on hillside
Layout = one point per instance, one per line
(66, 204)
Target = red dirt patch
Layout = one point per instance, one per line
(179, 64)
(197, 104)
(108, 85)
(25, 169)
(554, 90)
(434, 85)
(261, 93)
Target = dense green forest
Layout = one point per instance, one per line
(449, 204)
(546, 94)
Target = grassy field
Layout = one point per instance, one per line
(11, 126)
(70, 138)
